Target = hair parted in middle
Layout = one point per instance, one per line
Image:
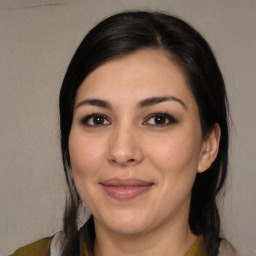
(127, 32)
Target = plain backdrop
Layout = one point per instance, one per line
(37, 41)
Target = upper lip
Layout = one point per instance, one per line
(125, 182)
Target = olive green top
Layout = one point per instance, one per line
(39, 248)
(42, 248)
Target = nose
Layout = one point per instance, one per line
(124, 147)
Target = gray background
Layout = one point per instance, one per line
(37, 40)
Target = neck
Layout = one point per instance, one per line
(169, 239)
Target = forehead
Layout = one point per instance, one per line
(143, 73)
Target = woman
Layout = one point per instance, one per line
(144, 138)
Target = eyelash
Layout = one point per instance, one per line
(85, 120)
(167, 117)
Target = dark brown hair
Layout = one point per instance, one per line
(122, 34)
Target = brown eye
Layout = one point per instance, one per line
(95, 120)
(98, 120)
(160, 119)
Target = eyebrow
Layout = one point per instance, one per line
(144, 103)
(95, 102)
(157, 100)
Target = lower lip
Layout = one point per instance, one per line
(126, 192)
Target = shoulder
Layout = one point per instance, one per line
(38, 248)
(56, 246)
(50, 246)
(226, 249)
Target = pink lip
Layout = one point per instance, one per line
(124, 189)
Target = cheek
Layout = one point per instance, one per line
(176, 161)
(174, 154)
(85, 154)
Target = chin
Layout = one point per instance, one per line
(127, 230)
(127, 224)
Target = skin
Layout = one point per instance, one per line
(128, 142)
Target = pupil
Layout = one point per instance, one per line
(98, 120)
(160, 120)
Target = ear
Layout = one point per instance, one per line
(210, 148)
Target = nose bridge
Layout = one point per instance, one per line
(124, 147)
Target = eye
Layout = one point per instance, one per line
(160, 119)
(95, 120)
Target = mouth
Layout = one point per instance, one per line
(125, 189)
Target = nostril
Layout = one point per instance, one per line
(132, 160)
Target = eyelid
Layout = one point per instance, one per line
(84, 120)
(171, 118)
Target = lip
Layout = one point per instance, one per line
(125, 189)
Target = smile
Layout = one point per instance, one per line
(125, 189)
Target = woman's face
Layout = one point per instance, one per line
(136, 143)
